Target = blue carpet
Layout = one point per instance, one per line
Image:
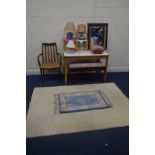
(101, 142)
(108, 142)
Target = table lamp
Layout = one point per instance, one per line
(70, 28)
(81, 29)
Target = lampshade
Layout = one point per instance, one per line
(81, 28)
(70, 44)
(70, 27)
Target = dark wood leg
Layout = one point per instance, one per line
(69, 76)
(59, 74)
(41, 72)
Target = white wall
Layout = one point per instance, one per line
(46, 20)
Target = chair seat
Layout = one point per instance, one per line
(86, 65)
(50, 66)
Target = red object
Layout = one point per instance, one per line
(96, 49)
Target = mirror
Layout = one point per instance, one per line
(97, 34)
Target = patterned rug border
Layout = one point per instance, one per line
(58, 104)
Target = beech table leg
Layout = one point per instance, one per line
(65, 71)
(105, 71)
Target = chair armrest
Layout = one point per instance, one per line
(39, 58)
(59, 58)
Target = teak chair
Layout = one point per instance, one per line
(51, 59)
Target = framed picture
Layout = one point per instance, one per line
(97, 34)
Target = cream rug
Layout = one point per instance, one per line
(43, 121)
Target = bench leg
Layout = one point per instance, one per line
(69, 76)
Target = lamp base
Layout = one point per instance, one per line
(81, 37)
(81, 44)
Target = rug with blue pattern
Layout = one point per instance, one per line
(81, 101)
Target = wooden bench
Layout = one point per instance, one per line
(85, 66)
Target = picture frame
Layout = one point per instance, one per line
(97, 34)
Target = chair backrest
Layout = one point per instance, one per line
(49, 51)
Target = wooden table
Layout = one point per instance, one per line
(83, 55)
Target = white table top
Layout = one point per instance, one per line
(83, 53)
